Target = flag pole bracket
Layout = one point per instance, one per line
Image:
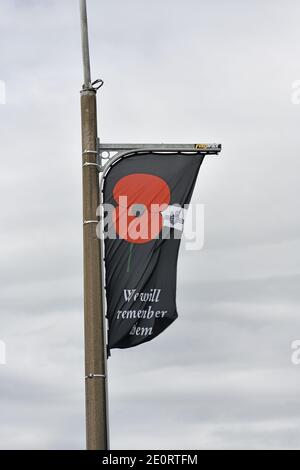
(110, 153)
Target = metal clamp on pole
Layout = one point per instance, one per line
(92, 164)
(98, 164)
(92, 376)
(87, 152)
(87, 222)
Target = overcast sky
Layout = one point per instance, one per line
(211, 70)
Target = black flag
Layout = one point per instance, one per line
(144, 196)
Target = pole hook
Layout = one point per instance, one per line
(99, 84)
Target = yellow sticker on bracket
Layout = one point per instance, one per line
(201, 146)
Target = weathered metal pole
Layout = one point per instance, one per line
(94, 322)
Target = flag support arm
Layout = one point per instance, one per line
(208, 149)
(108, 154)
